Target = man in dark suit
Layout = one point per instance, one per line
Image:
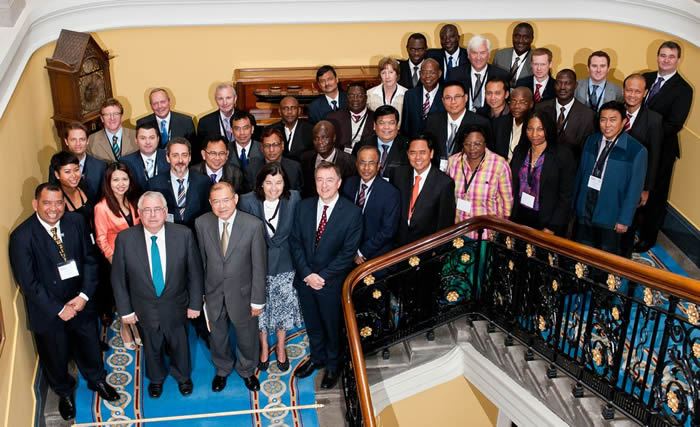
(245, 152)
(324, 150)
(516, 59)
(169, 123)
(216, 165)
(427, 194)
(445, 126)
(478, 51)
(53, 262)
(422, 100)
(331, 100)
(380, 203)
(451, 58)
(574, 120)
(324, 241)
(91, 168)
(353, 124)
(540, 82)
(671, 96)
(296, 132)
(218, 123)
(238, 301)
(157, 282)
(185, 192)
(150, 160)
(417, 48)
(273, 147)
(387, 140)
(497, 111)
(609, 181)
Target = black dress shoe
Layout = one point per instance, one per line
(218, 383)
(155, 390)
(185, 387)
(330, 379)
(106, 391)
(642, 246)
(252, 383)
(66, 407)
(305, 369)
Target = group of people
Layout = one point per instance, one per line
(231, 224)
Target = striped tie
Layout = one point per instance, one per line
(426, 105)
(115, 147)
(181, 197)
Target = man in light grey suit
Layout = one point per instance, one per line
(234, 253)
(157, 282)
(597, 89)
(516, 59)
(113, 141)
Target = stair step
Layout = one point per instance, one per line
(399, 356)
(443, 340)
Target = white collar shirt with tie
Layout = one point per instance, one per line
(160, 242)
(521, 62)
(431, 96)
(289, 134)
(567, 108)
(423, 177)
(329, 211)
(218, 174)
(149, 163)
(336, 99)
(665, 78)
(455, 59)
(165, 119)
(176, 185)
(452, 128)
(118, 134)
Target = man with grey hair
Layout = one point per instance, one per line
(478, 50)
(218, 123)
(157, 283)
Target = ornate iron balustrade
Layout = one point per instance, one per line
(627, 332)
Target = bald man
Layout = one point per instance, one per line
(324, 150)
(297, 132)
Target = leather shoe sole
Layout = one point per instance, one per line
(186, 388)
(218, 383)
(155, 390)
(252, 383)
(330, 379)
(66, 407)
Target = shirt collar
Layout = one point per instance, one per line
(228, 221)
(432, 92)
(368, 184)
(667, 76)
(331, 204)
(49, 227)
(165, 119)
(174, 178)
(567, 105)
(211, 172)
(160, 233)
(225, 118)
(423, 175)
(336, 99)
(459, 119)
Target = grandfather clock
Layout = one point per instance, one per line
(80, 80)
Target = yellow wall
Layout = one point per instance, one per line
(454, 403)
(189, 61)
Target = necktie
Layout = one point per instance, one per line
(59, 243)
(514, 71)
(335, 105)
(449, 66)
(628, 125)
(560, 120)
(655, 88)
(478, 101)
(451, 139)
(149, 168)
(224, 239)
(163, 133)
(243, 159)
(156, 267)
(415, 76)
(361, 196)
(213, 178)
(593, 97)
(426, 105)
(414, 196)
(321, 225)
(356, 118)
(115, 147)
(538, 95)
(598, 168)
(181, 196)
(382, 160)
(228, 131)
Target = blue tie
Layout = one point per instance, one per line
(163, 134)
(243, 159)
(156, 267)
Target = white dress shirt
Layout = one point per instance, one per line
(319, 209)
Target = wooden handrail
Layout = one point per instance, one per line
(654, 278)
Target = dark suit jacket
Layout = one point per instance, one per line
(380, 216)
(303, 138)
(333, 258)
(412, 122)
(232, 174)
(93, 175)
(209, 126)
(673, 103)
(437, 125)
(179, 125)
(343, 127)
(491, 71)
(460, 72)
(291, 168)
(319, 107)
(133, 285)
(435, 206)
(34, 257)
(579, 124)
(406, 75)
(255, 161)
(501, 128)
(197, 197)
(134, 162)
(308, 165)
(648, 130)
(397, 154)
(556, 186)
(547, 92)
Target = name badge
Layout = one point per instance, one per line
(594, 183)
(68, 269)
(170, 218)
(348, 150)
(464, 205)
(385, 178)
(92, 238)
(527, 200)
(443, 165)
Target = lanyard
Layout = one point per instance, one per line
(467, 184)
(531, 167)
(475, 94)
(603, 157)
(223, 129)
(602, 93)
(268, 222)
(392, 96)
(359, 126)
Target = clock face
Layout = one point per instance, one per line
(92, 91)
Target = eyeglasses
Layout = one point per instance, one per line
(217, 153)
(152, 211)
(452, 98)
(518, 102)
(268, 146)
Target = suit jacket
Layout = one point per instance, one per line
(622, 184)
(406, 73)
(380, 216)
(279, 257)
(529, 82)
(302, 139)
(108, 225)
(504, 60)
(579, 124)
(437, 125)
(93, 175)
(255, 161)
(673, 103)
(556, 186)
(231, 174)
(236, 279)
(319, 107)
(99, 147)
(308, 166)
(412, 122)
(196, 197)
(134, 162)
(501, 129)
(460, 72)
(291, 168)
(209, 126)
(34, 258)
(648, 130)
(178, 125)
(132, 282)
(333, 257)
(612, 92)
(342, 121)
(396, 157)
(490, 71)
(435, 206)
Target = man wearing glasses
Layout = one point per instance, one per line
(215, 165)
(273, 148)
(114, 141)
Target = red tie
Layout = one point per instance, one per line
(321, 225)
(538, 96)
(628, 124)
(414, 196)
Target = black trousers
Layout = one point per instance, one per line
(606, 239)
(155, 339)
(322, 316)
(652, 215)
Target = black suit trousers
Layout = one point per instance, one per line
(654, 212)
(155, 340)
(322, 315)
